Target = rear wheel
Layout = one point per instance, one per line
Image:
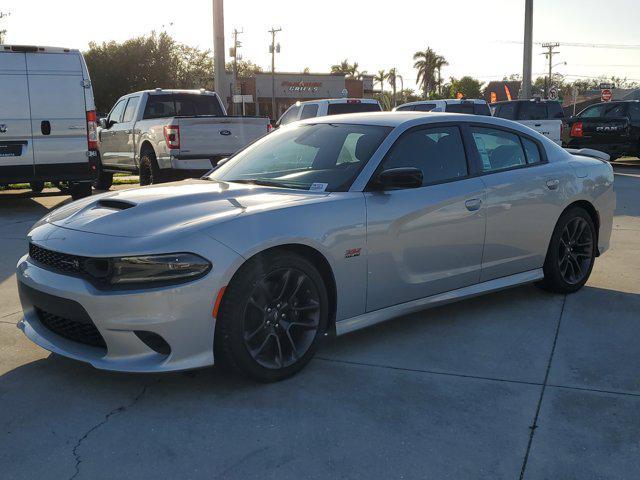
(64, 187)
(272, 316)
(571, 253)
(150, 173)
(80, 190)
(104, 180)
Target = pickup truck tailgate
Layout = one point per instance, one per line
(218, 136)
(604, 129)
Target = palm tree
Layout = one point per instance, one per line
(427, 63)
(440, 62)
(380, 78)
(347, 69)
(392, 77)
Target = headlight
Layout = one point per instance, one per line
(169, 268)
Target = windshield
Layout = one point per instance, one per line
(319, 157)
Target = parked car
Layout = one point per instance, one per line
(331, 106)
(612, 127)
(470, 106)
(47, 119)
(293, 238)
(544, 116)
(164, 135)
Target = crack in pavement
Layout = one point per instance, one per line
(534, 425)
(113, 412)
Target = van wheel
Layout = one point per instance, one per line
(37, 187)
(273, 314)
(103, 180)
(81, 190)
(149, 171)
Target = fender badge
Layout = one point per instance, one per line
(353, 252)
(225, 132)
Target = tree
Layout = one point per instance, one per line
(428, 63)
(246, 68)
(380, 78)
(154, 60)
(348, 69)
(392, 77)
(468, 86)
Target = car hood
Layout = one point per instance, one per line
(172, 208)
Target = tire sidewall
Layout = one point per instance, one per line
(553, 276)
(230, 335)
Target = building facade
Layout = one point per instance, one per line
(290, 88)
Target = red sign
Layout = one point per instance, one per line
(606, 95)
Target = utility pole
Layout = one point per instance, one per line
(3, 32)
(528, 49)
(549, 54)
(234, 54)
(218, 49)
(273, 49)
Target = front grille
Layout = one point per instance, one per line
(57, 261)
(81, 332)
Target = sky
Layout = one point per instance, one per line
(478, 38)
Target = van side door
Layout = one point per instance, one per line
(16, 152)
(58, 114)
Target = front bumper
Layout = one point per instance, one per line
(180, 314)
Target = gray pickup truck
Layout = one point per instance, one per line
(165, 135)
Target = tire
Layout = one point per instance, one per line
(104, 180)
(150, 173)
(64, 187)
(262, 330)
(37, 187)
(571, 253)
(81, 190)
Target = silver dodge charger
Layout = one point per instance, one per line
(323, 227)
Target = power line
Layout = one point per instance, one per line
(576, 44)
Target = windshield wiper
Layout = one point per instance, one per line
(258, 181)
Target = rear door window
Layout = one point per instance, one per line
(498, 149)
(354, 107)
(309, 111)
(533, 111)
(592, 112)
(615, 110)
(130, 110)
(531, 150)
(555, 110)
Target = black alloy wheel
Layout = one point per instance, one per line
(575, 251)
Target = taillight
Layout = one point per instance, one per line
(352, 100)
(269, 127)
(576, 129)
(92, 130)
(172, 136)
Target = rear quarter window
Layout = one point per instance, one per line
(506, 110)
(460, 108)
(159, 106)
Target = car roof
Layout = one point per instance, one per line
(410, 118)
(161, 91)
(41, 48)
(523, 100)
(446, 101)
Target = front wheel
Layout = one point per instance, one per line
(150, 173)
(272, 317)
(37, 187)
(571, 253)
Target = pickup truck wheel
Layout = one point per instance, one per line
(37, 187)
(149, 171)
(64, 187)
(273, 314)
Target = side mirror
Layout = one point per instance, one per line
(103, 123)
(405, 177)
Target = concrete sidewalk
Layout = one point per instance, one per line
(518, 384)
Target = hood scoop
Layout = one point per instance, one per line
(114, 204)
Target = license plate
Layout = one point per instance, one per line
(10, 150)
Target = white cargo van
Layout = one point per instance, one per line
(48, 125)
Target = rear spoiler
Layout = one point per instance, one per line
(589, 152)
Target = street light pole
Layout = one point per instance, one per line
(218, 49)
(549, 55)
(528, 49)
(273, 32)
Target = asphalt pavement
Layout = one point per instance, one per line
(521, 384)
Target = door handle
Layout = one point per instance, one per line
(128, 132)
(473, 204)
(553, 184)
(537, 124)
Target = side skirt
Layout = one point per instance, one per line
(384, 314)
